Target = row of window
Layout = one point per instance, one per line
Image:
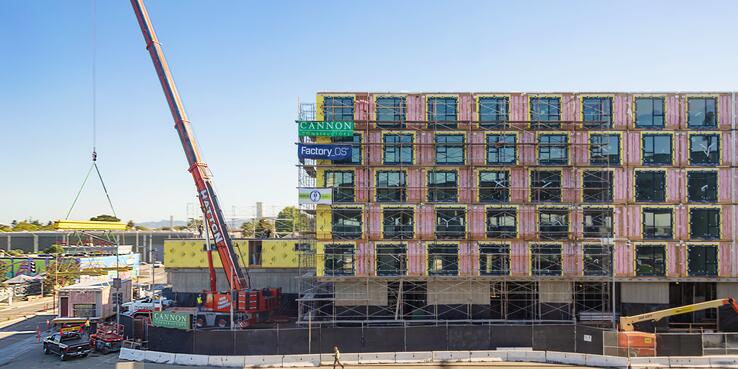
(552, 149)
(545, 112)
(545, 186)
(546, 260)
(553, 223)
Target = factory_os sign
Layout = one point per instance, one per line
(328, 128)
(325, 152)
(315, 196)
(167, 319)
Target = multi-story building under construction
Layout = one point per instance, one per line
(521, 207)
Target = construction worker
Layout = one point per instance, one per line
(199, 301)
(87, 326)
(337, 357)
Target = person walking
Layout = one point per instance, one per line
(337, 357)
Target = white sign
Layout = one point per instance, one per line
(316, 196)
(587, 338)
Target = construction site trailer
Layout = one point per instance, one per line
(91, 300)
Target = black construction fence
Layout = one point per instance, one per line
(285, 341)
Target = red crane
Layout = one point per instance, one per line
(248, 302)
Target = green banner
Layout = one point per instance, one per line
(171, 320)
(329, 129)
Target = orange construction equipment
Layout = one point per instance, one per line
(644, 344)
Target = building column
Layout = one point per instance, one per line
(35, 243)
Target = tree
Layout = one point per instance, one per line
(290, 220)
(26, 226)
(264, 228)
(61, 272)
(130, 225)
(54, 249)
(4, 269)
(5, 228)
(105, 218)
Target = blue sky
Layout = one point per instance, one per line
(242, 65)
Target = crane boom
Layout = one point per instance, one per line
(214, 220)
(626, 322)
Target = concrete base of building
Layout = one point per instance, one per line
(198, 279)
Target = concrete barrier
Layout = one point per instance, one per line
(301, 361)
(414, 357)
(723, 361)
(487, 356)
(451, 356)
(191, 359)
(649, 362)
(226, 361)
(263, 361)
(565, 358)
(689, 362)
(606, 361)
(377, 358)
(527, 356)
(159, 357)
(346, 358)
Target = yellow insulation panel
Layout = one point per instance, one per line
(323, 224)
(319, 108)
(88, 225)
(191, 253)
(278, 254)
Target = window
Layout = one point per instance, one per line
(502, 223)
(398, 223)
(493, 112)
(649, 112)
(545, 112)
(338, 109)
(552, 150)
(597, 260)
(703, 260)
(598, 223)
(391, 112)
(449, 149)
(500, 149)
(553, 224)
(704, 224)
(391, 186)
(442, 112)
(494, 186)
(545, 186)
(597, 186)
(398, 149)
(604, 149)
(347, 223)
(702, 112)
(657, 223)
(450, 223)
(704, 150)
(494, 259)
(656, 149)
(391, 259)
(650, 186)
(355, 142)
(342, 183)
(84, 310)
(443, 259)
(442, 186)
(546, 259)
(702, 186)
(339, 260)
(650, 260)
(597, 112)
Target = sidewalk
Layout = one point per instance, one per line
(10, 314)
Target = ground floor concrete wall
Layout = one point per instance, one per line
(198, 279)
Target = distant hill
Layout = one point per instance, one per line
(162, 223)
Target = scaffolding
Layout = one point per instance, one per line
(385, 293)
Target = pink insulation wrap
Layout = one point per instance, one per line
(680, 227)
(518, 184)
(415, 258)
(361, 110)
(726, 254)
(426, 222)
(526, 148)
(365, 258)
(426, 148)
(572, 257)
(363, 184)
(466, 105)
(633, 221)
(726, 222)
(576, 221)
(478, 148)
(519, 107)
(416, 110)
(520, 263)
(726, 148)
(675, 190)
(569, 109)
(375, 146)
(623, 115)
(527, 221)
(632, 147)
(624, 254)
(674, 264)
(622, 185)
(570, 185)
(465, 183)
(580, 151)
(415, 182)
(680, 146)
(725, 111)
(466, 259)
(477, 222)
(373, 224)
(725, 185)
(673, 111)
(620, 214)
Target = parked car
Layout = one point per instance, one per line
(146, 305)
(67, 345)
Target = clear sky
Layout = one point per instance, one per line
(242, 65)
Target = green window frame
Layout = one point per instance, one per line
(342, 183)
(658, 223)
(338, 260)
(502, 222)
(391, 186)
(650, 185)
(649, 112)
(398, 149)
(450, 223)
(443, 186)
(391, 112)
(702, 186)
(597, 112)
(553, 149)
(704, 149)
(338, 108)
(604, 149)
(553, 223)
(494, 112)
(450, 149)
(546, 259)
(545, 186)
(597, 186)
(650, 260)
(443, 259)
(656, 149)
(704, 224)
(398, 223)
(702, 112)
(442, 112)
(494, 259)
(598, 222)
(494, 186)
(391, 259)
(347, 223)
(501, 149)
(597, 260)
(545, 112)
(702, 260)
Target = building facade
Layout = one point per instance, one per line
(521, 206)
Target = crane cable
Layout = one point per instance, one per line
(94, 121)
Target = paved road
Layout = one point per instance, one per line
(21, 308)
